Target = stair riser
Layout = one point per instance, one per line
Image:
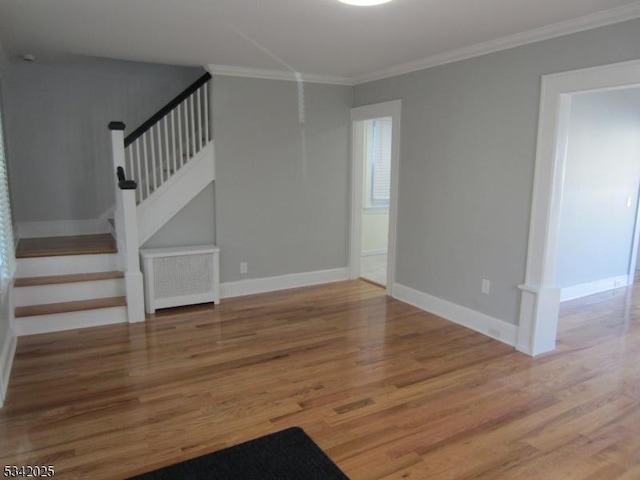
(66, 264)
(59, 322)
(68, 292)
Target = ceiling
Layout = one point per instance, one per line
(322, 39)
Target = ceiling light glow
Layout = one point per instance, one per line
(364, 3)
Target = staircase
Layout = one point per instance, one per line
(66, 283)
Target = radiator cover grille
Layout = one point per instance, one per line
(180, 276)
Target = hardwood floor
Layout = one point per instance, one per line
(386, 390)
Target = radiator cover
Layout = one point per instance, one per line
(180, 276)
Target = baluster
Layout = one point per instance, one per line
(136, 145)
(166, 147)
(199, 129)
(173, 140)
(180, 122)
(146, 163)
(206, 112)
(127, 161)
(152, 142)
(159, 149)
(193, 127)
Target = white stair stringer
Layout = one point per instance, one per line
(175, 193)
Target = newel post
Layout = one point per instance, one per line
(126, 226)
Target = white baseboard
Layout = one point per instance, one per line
(578, 291)
(485, 324)
(62, 228)
(283, 282)
(378, 251)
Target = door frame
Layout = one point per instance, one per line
(358, 116)
(540, 302)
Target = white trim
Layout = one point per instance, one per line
(58, 322)
(591, 288)
(600, 19)
(231, 71)
(68, 292)
(587, 22)
(391, 109)
(633, 259)
(283, 282)
(8, 347)
(66, 264)
(480, 322)
(540, 297)
(61, 228)
(376, 251)
(7, 355)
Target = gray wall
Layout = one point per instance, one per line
(282, 187)
(56, 129)
(467, 158)
(602, 171)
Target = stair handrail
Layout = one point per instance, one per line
(126, 226)
(164, 111)
(171, 137)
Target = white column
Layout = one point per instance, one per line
(127, 231)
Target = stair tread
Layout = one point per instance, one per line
(66, 307)
(73, 245)
(70, 278)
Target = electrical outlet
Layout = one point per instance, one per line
(243, 267)
(628, 202)
(486, 286)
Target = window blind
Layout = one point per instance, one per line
(379, 188)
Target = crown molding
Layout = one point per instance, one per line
(232, 71)
(588, 22)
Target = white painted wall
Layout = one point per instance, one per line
(375, 231)
(600, 196)
(56, 129)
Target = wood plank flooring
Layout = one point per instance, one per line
(70, 278)
(66, 307)
(75, 245)
(387, 391)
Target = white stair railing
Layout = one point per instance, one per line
(169, 139)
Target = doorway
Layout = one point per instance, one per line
(375, 158)
(540, 296)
